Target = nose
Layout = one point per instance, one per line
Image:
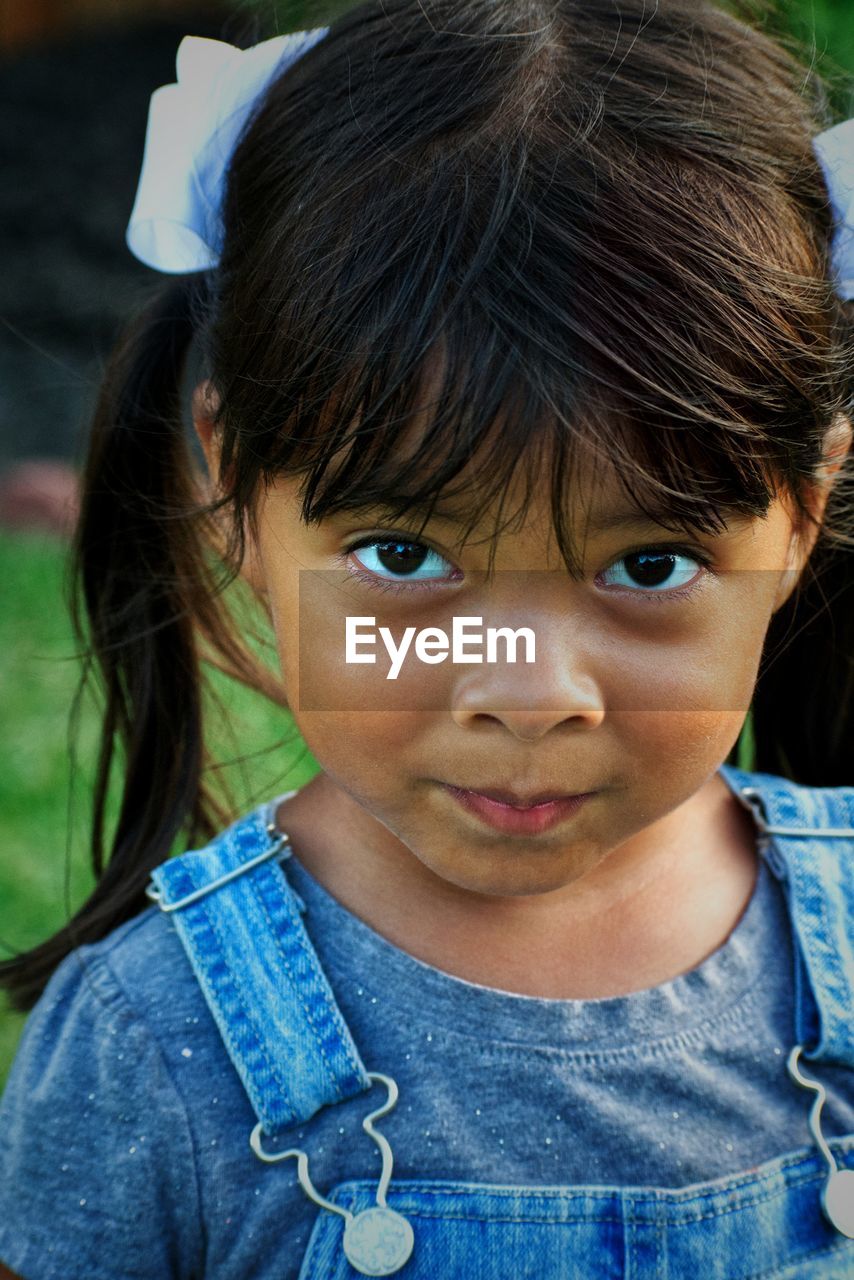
(530, 699)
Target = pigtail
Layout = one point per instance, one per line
(803, 703)
(139, 572)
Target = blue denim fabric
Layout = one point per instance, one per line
(269, 997)
(293, 1051)
(819, 874)
(762, 1224)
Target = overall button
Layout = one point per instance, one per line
(837, 1201)
(378, 1241)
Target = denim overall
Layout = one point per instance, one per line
(793, 1216)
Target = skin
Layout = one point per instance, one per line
(638, 700)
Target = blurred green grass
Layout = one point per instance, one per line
(44, 863)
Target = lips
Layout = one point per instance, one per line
(516, 799)
(514, 819)
(519, 801)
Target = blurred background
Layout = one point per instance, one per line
(75, 80)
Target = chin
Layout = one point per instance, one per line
(507, 875)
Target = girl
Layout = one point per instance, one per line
(503, 314)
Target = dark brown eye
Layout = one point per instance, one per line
(401, 557)
(651, 570)
(401, 560)
(654, 570)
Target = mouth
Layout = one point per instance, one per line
(517, 815)
(516, 799)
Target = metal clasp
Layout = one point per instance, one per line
(152, 892)
(377, 1241)
(837, 1194)
(757, 807)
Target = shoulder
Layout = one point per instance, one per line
(144, 967)
(94, 1131)
(807, 834)
(108, 1004)
(137, 982)
(136, 979)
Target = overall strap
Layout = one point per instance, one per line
(807, 836)
(240, 923)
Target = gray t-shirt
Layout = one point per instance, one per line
(124, 1128)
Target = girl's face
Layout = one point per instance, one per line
(643, 671)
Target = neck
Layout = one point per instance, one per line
(651, 910)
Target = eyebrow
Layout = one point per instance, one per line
(601, 522)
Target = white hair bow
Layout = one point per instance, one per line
(193, 127)
(194, 124)
(835, 151)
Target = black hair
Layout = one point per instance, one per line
(605, 228)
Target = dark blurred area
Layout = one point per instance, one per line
(75, 82)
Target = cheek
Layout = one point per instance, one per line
(679, 703)
(702, 663)
(392, 687)
(358, 725)
(370, 756)
(381, 675)
(675, 745)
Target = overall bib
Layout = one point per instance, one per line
(791, 1217)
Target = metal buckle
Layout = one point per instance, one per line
(377, 1241)
(757, 807)
(152, 892)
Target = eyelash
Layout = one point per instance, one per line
(376, 583)
(388, 584)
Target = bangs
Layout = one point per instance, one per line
(467, 428)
